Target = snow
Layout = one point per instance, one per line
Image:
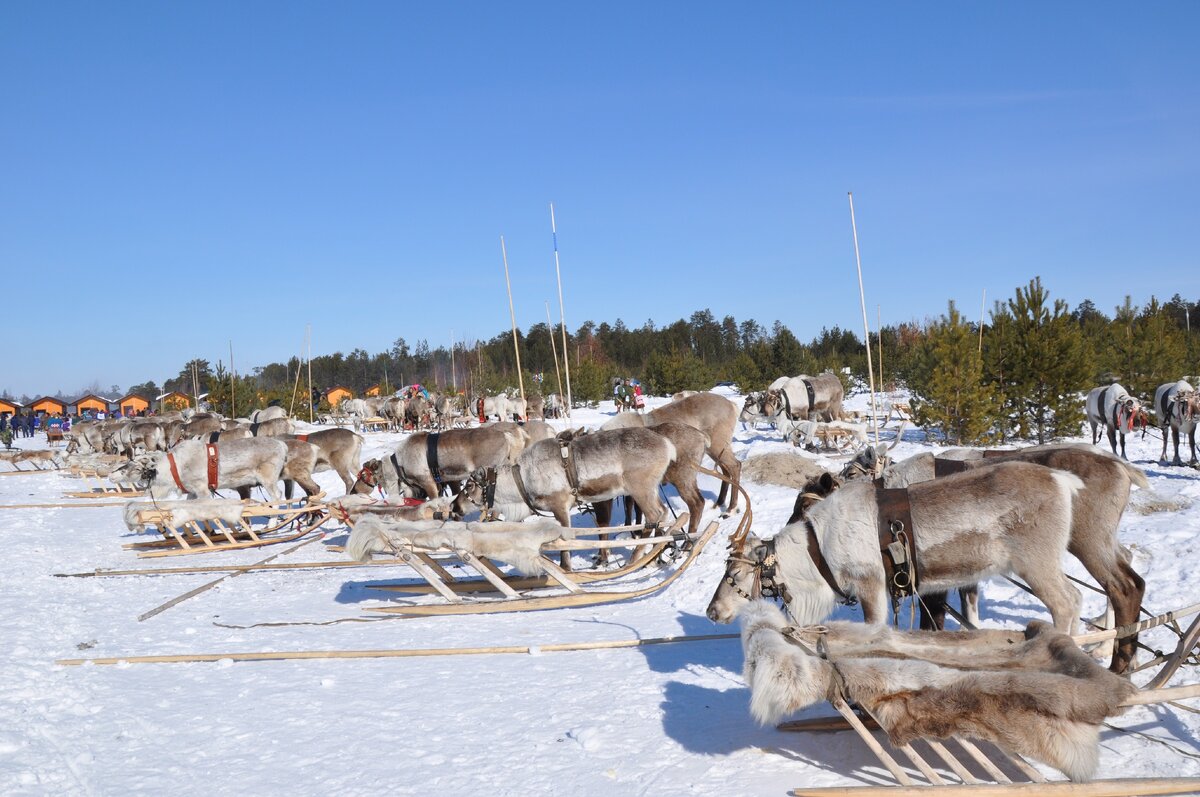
(663, 719)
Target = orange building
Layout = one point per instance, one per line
(133, 404)
(91, 402)
(174, 401)
(372, 391)
(11, 407)
(337, 394)
(48, 405)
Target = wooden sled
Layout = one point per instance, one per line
(375, 424)
(552, 588)
(259, 524)
(31, 459)
(975, 768)
(95, 477)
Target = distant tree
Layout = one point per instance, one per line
(147, 389)
(1048, 367)
(589, 381)
(788, 355)
(956, 400)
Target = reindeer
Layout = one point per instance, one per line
(1096, 514)
(800, 397)
(1113, 408)
(1013, 517)
(1178, 408)
(424, 464)
(554, 475)
(240, 463)
(713, 415)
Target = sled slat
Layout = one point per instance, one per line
(492, 578)
(983, 760)
(416, 564)
(558, 574)
(1026, 767)
(433, 565)
(897, 772)
(1097, 788)
(951, 761)
(929, 772)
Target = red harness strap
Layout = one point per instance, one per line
(303, 438)
(175, 472)
(213, 458)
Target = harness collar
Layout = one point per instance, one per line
(214, 455)
(175, 472)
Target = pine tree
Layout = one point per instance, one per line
(1146, 349)
(956, 399)
(1048, 368)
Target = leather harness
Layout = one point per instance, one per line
(812, 394)
(175, 472)
(303, 438)
(568, 463)
(213, 460)
(431, 456)
(213, 437)
(254, 429)
(947, 467)
(897, 540)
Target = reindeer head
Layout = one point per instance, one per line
(870, 461)
(739, 585)
(772, 403)
(139, 471)
(814, 490)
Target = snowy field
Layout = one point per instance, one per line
(661, 720)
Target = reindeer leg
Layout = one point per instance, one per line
(564, 520)
(969, 598)
(1112, 438)
(933, 611)
(1175, 439)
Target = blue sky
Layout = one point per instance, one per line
(176, 175)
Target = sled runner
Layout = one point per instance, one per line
(95, 477)
(217, 524)
(535, 582)
(975, 702)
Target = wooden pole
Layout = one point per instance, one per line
(232, 384)
(982, 306)
(398, 653)
(554, 350)
(453, 372)
(562, 314)
(879, 334)
(866, 328)
(512, 313)
(308, 336)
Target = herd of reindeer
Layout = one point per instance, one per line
(876, 533)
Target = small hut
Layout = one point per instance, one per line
(49, 406)
(91, 402)
(173, 401)
(133, 404)
(11, 407)
(337, 394)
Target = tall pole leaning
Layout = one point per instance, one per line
(866, 327)
(561, 312)
(512, 314)
(554, 350)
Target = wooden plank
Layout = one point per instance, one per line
(434, 580)
(402, 653)
(558, 574)
(493, 579)
(949, 760)
(1187, 644)
(869, 740)
(982, 760)
(1122, 787)
(433, 565)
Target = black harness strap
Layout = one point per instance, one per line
(812, 395)
(947, 467)
(431, 456)
(516, 474)
(1166, 405)
(213, 438)
(254, 429)
(1103, 394)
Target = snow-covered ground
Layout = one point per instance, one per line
(663, 720)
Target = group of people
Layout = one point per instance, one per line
(26, 425)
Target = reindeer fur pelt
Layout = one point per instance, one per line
(1035, 694)
(784, 468)
(358, 506)
(518, 544)
(228, 511)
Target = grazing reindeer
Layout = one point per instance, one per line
(1014, 517)
(1178, 408)
(1113, 408)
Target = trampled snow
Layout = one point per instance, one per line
(663, 720)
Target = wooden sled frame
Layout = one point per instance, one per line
(284, 522)
(975, 762)
(522, 594)
(97, 485)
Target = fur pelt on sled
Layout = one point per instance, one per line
(178, 513)
(518, 544)
(357, 506)
(1033, 693)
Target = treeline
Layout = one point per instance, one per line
(689, 354)
(1024, 376)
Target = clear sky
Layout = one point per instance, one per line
(176, 175)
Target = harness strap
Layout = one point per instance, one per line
(814, 552)
(947, 467)
(897, 540)
(254, 429)
(516, 474)
(303, 438)
(175, 472)
(213, 437)
(812, 395)
(431, 456)
(568, 463)
(213, 460)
